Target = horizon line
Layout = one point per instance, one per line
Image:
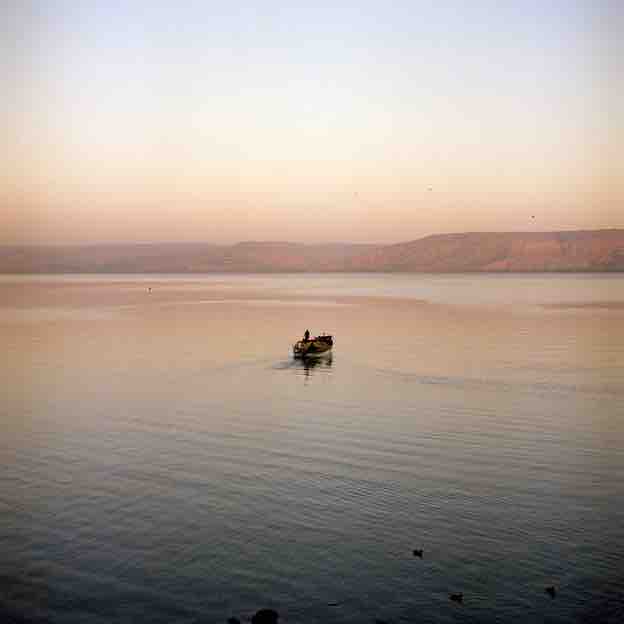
(308, 244)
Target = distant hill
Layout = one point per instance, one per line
(246, 257)
(587, 250)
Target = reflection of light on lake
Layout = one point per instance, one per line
(487, 431)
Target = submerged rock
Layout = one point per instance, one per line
(265, 616)
(457, 597)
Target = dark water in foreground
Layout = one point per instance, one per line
(163, 459)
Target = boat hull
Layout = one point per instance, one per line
(314, 354)
(311, 349)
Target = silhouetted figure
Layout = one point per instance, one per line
(551, 591)
(457, 597)
(306, 336)
(418, 552)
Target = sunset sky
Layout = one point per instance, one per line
(308, 121)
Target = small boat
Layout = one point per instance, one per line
(313, 347)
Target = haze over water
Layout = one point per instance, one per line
(164, 459)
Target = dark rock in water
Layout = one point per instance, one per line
(265, 616)
(551, 591)
(233, 620)
(418, 552)
(457, 597)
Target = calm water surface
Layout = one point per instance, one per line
(163, 458)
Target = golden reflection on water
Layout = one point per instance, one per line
(187, 324)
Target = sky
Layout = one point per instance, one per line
(308, 121)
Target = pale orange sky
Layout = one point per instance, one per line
(274, 121)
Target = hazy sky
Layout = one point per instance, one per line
(321, 121)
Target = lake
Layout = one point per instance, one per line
(164, 459)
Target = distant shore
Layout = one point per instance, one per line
(582, 251)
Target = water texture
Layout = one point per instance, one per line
(164, 459)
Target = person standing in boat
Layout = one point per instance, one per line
(306, 335)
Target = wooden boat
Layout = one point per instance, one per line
(313, 347)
